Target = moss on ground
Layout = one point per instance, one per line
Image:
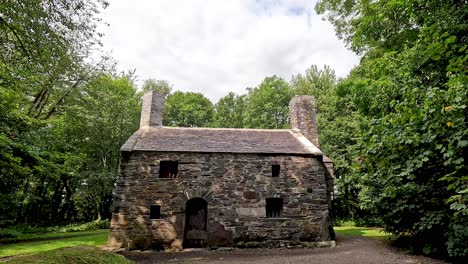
(361, 231)
(86, 238)
(76, 255)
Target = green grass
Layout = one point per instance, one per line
(361, 231)
(86, 238)
(344, 222)
(19, 233)
(77, 255)
(46, 236)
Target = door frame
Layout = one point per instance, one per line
(199, 204)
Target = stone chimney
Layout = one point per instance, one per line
(152, 109)
(302, 117)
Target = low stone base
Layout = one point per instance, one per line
(240, 245)
(285, 244)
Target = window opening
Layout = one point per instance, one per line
(275, 170)
(168, 168)
(155, 212)
(274, 207)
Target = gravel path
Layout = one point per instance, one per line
(349, 250)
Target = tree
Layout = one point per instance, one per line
(314, 82)
(45, 45)
(74, 159)
(44, 64)
(99, 122)
(229, 111)
(410, 91)
(268, 104)
(337, 120)
(188, 110)
(159, 86)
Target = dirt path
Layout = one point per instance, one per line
(349, 250)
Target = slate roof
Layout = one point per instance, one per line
(220, 140)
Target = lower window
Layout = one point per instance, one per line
(155, 212)
(274, 207)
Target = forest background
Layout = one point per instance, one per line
(395, 127)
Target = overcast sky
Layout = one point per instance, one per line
(218, 46)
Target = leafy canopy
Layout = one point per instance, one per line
(411, 97)
(187, 110)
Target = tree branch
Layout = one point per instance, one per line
(16, 36)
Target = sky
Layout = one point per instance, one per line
(218, 46)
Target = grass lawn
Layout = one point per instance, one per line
(361, 231)
(76, 255)
(55, 241)
(46, 236)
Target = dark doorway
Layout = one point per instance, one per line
(196, 212)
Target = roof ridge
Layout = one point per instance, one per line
(224, 129)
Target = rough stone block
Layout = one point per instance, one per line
(218, 235)
(257, 212)
(250, 195)
(163, 233)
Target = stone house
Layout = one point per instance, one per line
(215, 187)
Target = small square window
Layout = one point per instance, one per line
(275, 170)
(168, 168)
(155, 212)
(274, 207)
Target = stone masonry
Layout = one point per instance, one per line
(302, 116)
(233, 182)
(152, 109)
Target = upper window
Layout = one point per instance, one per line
(155, 212)
(274, 207)
(168, 168)
(275, 170)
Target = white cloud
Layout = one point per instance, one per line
(214, 47)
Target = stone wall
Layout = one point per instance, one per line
(302, 117)
(235, 187)
(152, 109)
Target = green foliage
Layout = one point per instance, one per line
(24, 238)
(95, 225)
(337, 123)
(79, 254)
(9, 234)
(411, 98)
(85, 238)
(29, 233)
(361, 231)
(99, 121)
(188, 110)
(63, 116)
(267, 104)
(230, 111)
(45, 45)
(264, 106)
(396, 128)
(317, 82)
(159, 86)
(75, 255)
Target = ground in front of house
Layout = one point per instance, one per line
(350, 249)
(354, 245)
